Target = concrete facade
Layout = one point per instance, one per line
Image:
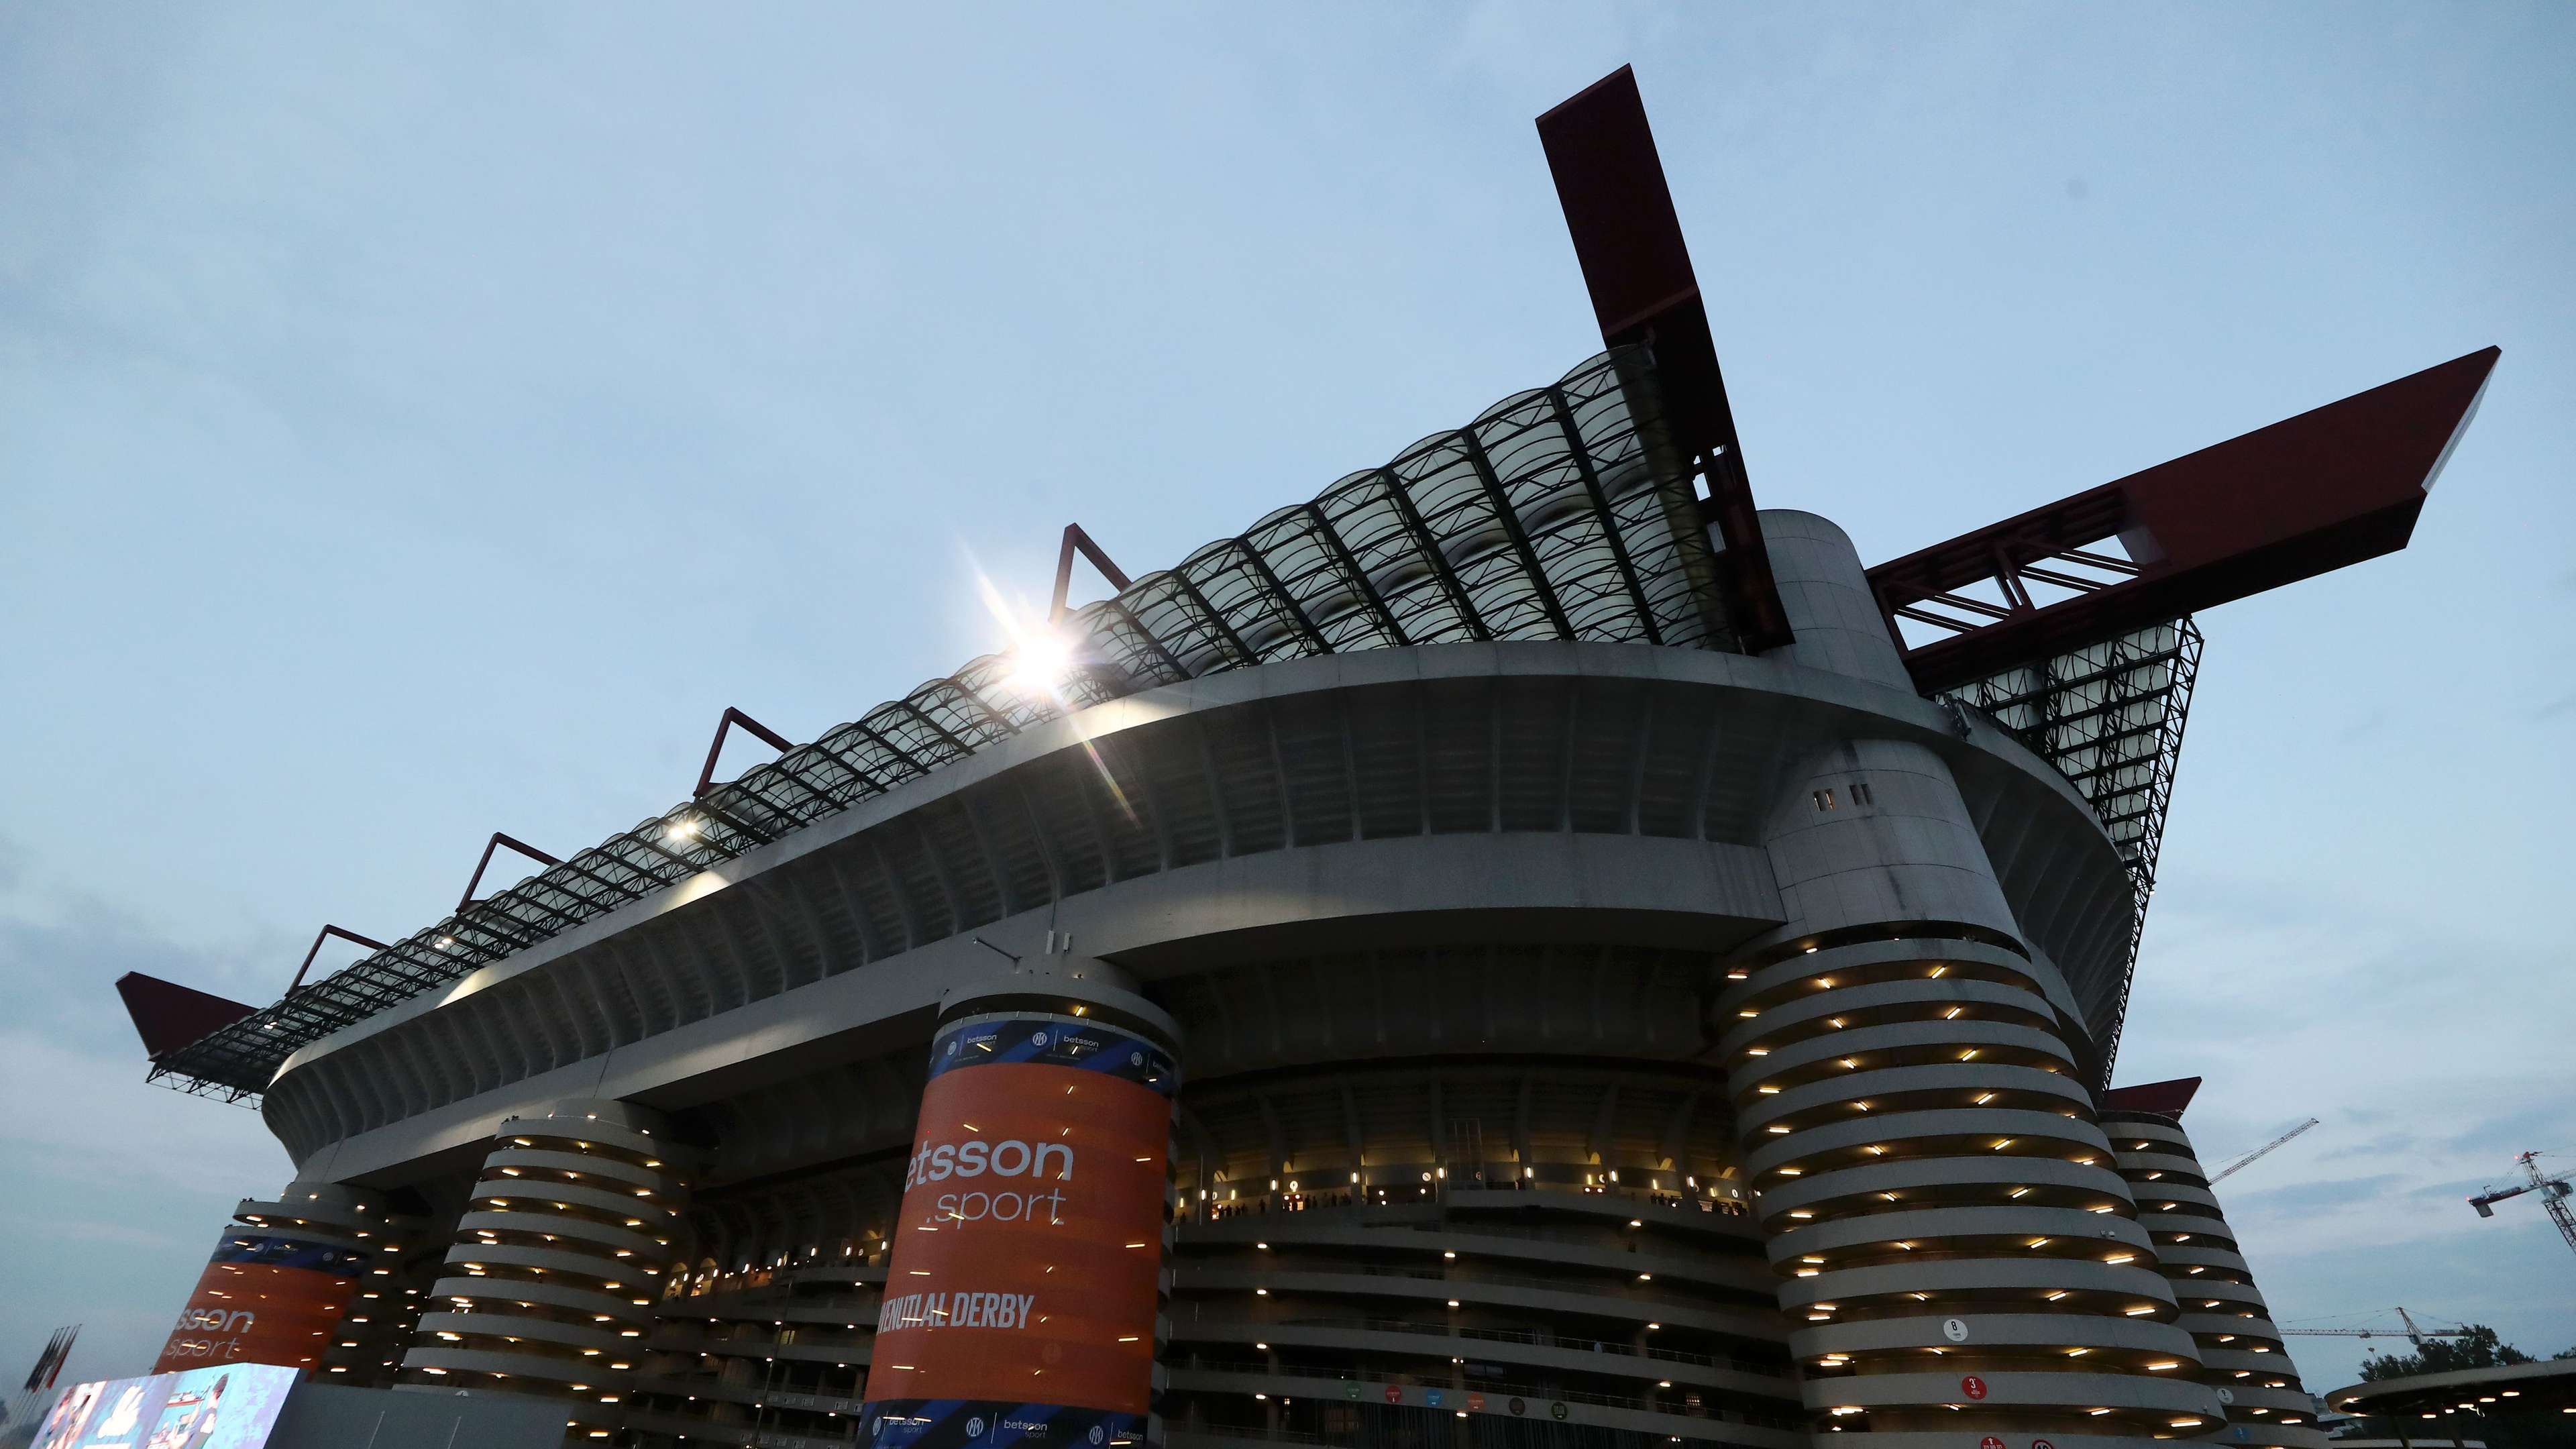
(1588, 1044)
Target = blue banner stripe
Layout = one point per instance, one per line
(1055, 1042)
(993, 1424)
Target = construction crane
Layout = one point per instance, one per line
(2553, 1196)
(2248, 1159)
(2413, 1330)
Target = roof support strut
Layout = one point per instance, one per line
(496, 842)
(1610, 182)
(707, 772)
(1077, 540)
(325, 934)
(2306, 495)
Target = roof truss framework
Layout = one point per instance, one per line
(1556, 514)
(2110, 717)
(2301, 497)
(2071, 624)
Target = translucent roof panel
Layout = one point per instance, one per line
(1558, 513)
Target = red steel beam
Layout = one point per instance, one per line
(2302, 497)
(1077, 540)
(2169, 1098)
(715, 748)
(326, 933)
(169, 1016)
(1610, 182)
(496, 842)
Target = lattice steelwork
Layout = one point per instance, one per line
(2110, 716)
(1559, 513)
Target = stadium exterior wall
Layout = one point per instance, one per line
(1586, 1044)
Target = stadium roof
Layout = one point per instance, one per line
(1548, 517)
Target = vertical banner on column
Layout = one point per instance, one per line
(263, 1298)
(1028, 1254)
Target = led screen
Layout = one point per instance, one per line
(229, 1407)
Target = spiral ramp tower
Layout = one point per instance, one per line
(559, 1257)
(2242, 1355)
(1954, 1245)
(363, 1325)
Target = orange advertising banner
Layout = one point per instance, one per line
(263, 1299)
(1028, 1254)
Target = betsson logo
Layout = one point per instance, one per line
(1014, 1158)
(215, 1320)
(234, 1321)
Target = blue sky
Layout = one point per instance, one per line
(417, 424)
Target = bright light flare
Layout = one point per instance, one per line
(1041, 662)
(1040, 657)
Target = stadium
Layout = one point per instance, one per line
(1536, 949)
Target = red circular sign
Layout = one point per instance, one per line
(1975, 1388)
(1394, 1395)
(1990, 1442)
(2041, 1444)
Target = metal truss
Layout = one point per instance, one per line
(2110, 717)
(2304, 496)
(1559, 513)
(178, 1080)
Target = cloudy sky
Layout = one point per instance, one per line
(413, 425)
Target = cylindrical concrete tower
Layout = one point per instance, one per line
(2241, 1352)
(559, 1257)
(1026, 1293)
(283, 1285)
(1826, 593)
(1960, 1255)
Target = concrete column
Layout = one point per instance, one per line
(1030, 1278)
(298, 1281)
(2242, 1354)
(560, 1255)
(1960, 1261)
(1825, 591)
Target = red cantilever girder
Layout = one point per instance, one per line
(2169, 1098)
(2302, 497)
(169, 1016)
(1610, 183)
